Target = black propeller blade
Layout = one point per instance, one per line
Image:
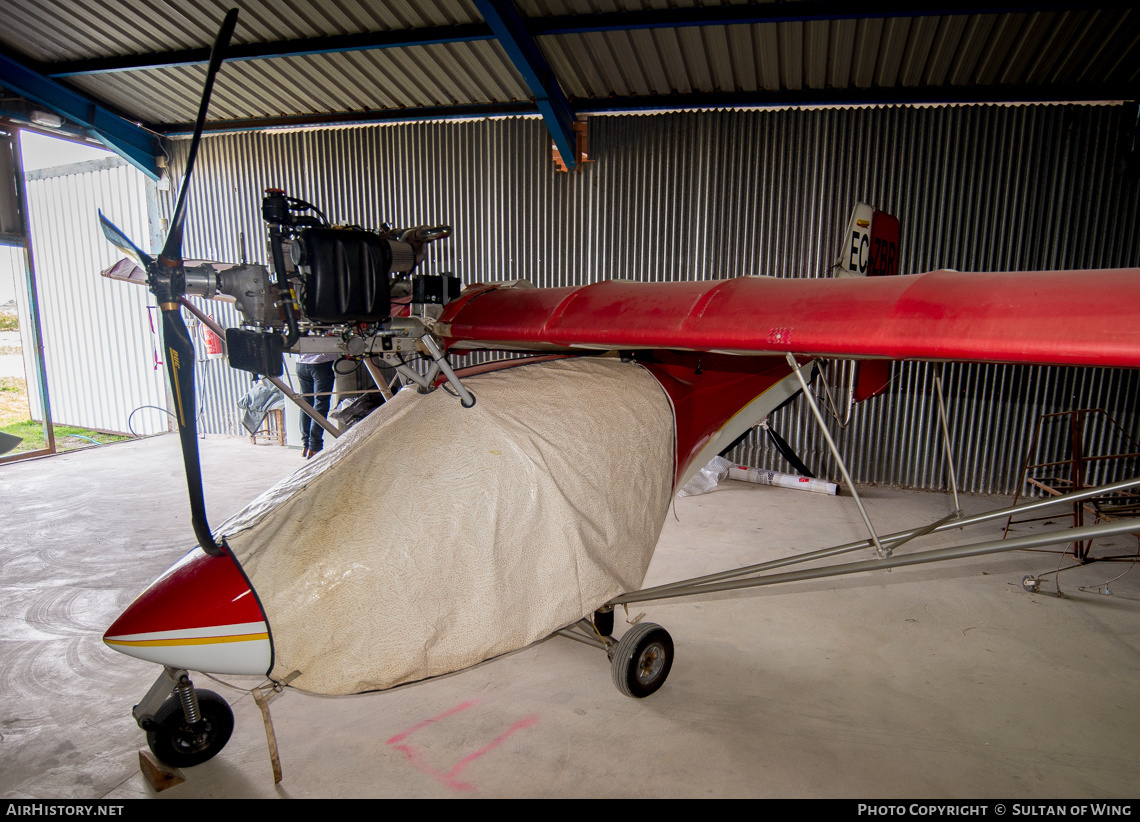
(180, 366)
(167, 281)
(172, 251)
(122, 242)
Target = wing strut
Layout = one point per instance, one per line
(946, 438)
(755, 576)
(882, 552)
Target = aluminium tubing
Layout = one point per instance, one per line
(899, 537)
(936, 555)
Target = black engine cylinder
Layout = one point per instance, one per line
(347, 275)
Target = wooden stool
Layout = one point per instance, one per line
(272, 430)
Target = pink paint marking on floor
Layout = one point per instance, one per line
(415, 756)
(461, 707)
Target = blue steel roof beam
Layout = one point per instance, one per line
(511, 30)
(134, 144)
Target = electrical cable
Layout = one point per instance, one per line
(1103, 588)
(197, 417)
(140, 408)
(340, 373)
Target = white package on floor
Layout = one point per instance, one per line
(433, 537)
(763, 476)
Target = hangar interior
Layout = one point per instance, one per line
(695, 142)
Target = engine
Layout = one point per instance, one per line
(329, 289)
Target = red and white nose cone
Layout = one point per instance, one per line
(200, 615)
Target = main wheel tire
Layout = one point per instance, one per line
(642, 660)
(181, 745)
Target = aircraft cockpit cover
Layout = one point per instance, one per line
(372, 575)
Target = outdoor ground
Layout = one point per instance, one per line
(15, 416)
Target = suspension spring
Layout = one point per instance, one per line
(189, 699)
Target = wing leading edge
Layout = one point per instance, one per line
(1087, 317)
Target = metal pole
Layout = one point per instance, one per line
(297, 399)
(411, 375)
(937, 555)
(898, 538)
(378, 378)
(946, 437)
(466, 398)
(36, 341)
(586, 634)
(835, 453)
(318, 418)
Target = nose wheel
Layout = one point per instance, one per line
(184, 725)
(183, 744)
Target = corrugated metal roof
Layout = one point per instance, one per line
(644, 55)
(959, 50)
(57, 30)
(414, 77)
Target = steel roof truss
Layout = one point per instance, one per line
(510, 29)
(134, 144)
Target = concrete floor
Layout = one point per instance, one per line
(939, 681)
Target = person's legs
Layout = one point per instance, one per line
(305, 381)
(323, 380)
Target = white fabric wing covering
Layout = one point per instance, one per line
(433, 537)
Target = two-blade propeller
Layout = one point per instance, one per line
(167, 281)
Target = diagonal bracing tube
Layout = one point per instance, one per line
(745, 577)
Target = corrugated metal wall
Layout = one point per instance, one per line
(705, 195)
(99, 348)
(219, 386)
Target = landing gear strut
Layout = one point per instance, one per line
(184, 726)
(639, 662)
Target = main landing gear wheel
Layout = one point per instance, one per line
(182, 745)
(642, 660)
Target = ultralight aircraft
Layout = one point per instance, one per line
(535, 524)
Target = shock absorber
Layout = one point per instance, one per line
(186, 694)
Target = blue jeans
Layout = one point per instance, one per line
(315, 378)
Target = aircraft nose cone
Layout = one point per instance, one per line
(201, 615)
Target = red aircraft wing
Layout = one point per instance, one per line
(1045, 317)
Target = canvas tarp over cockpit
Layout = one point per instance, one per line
(433, 537)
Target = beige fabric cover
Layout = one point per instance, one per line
(432, 537)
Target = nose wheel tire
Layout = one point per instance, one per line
(181, 745)
(642, 660)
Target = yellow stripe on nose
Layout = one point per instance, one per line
(198, 640)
